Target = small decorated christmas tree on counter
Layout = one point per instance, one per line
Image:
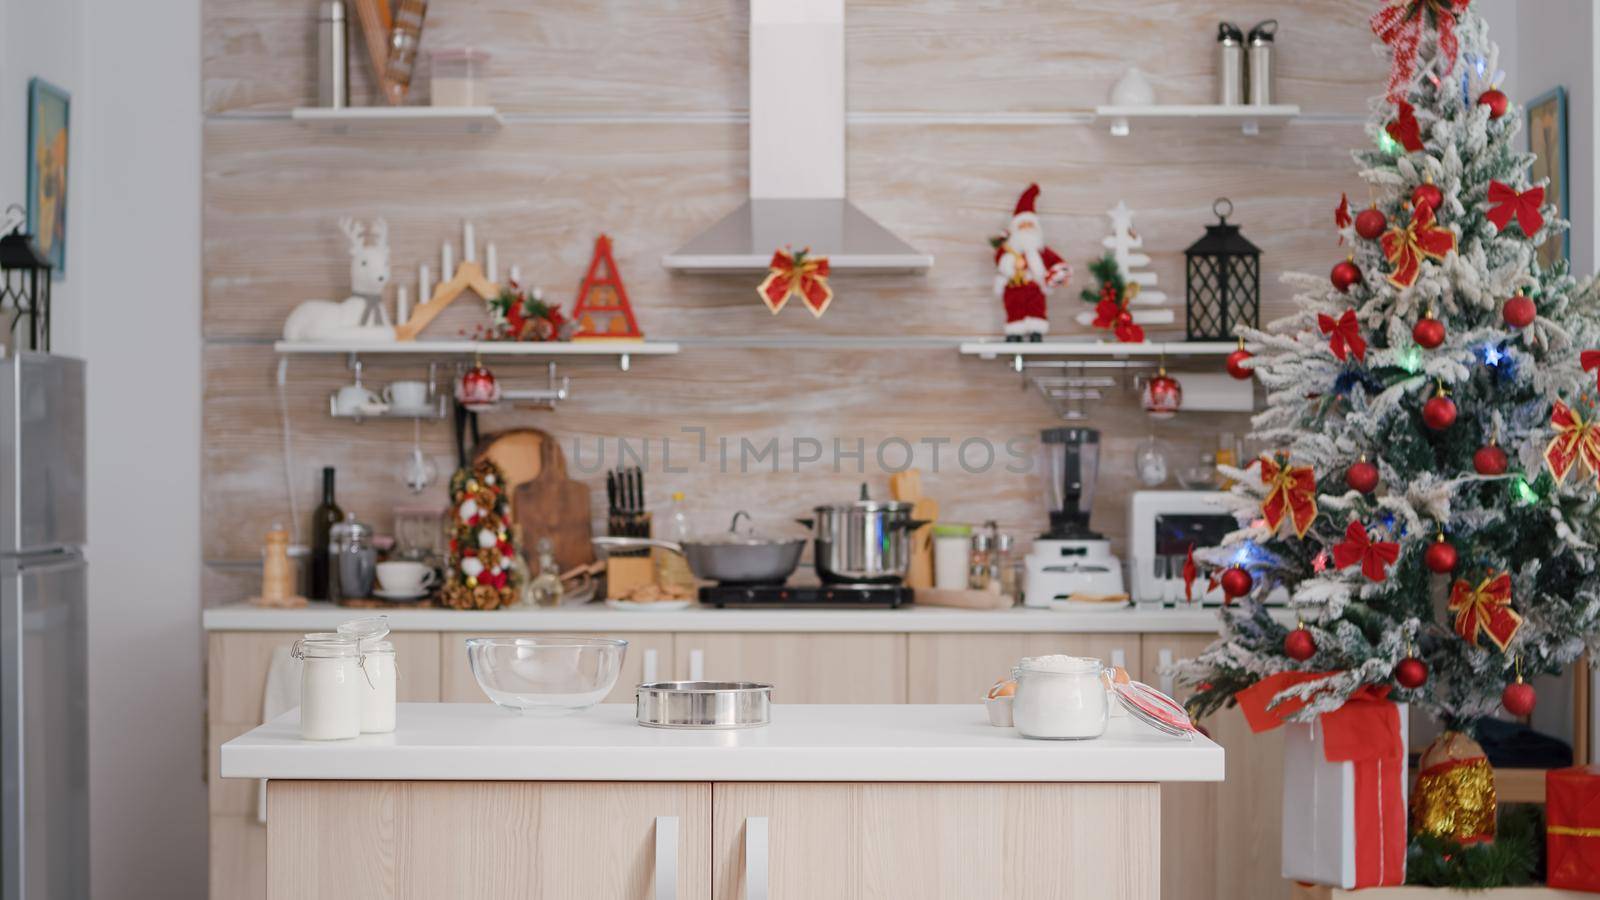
(480, 572)
(1429, 501)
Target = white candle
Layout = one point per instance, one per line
(447, 261)
(402, 305)
(469, 246)
(516, 275)
(424, 283)
(490, 267)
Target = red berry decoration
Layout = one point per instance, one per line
(1519, 698)
(1362, 476)
(1236, 366)
(1411, 673)
(1519, 311)
(1426, 194)
(1299, 645)
(1439, 412)
(1345, 274)
(1370, 223)
(1496, 100)
(1428, 332)
(1236, 582)
(1440, 557)
(1490, 460)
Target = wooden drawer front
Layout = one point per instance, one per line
(645, 650)
(802, 668)
(959, 668)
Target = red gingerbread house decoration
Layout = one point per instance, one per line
(602, 311)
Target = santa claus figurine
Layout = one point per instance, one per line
(1026, 271)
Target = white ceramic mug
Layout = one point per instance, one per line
(407, 395)
(353, 399)
(405, 577)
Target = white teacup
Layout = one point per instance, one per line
(406, 577)
(353, 399)
(407, 395)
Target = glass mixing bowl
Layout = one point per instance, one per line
(551, 674)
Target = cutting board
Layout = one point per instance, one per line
(554, 506)
(907, 487)
(519, 453)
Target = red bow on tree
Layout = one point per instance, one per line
(1405, 247)
(1485, 608)
(1374, 556)
(1190, 573)
(1341, 216)
(1344, 335)
(1575, 441)
(1590, 360)
(1507, 203)
(798, 273)
(1291, 492)
(1401, 24)
(1404, 128)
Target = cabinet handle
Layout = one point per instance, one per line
(697, 665)
(649, 666)
(1119, 658)
(1165, 659)
(666, 857)
(755, 858)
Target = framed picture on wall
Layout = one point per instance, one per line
(1547, 140)
(48, 108)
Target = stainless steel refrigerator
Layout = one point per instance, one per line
(44, 725)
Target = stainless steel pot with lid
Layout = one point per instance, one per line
(863, 542)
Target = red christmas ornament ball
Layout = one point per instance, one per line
(1496, 100)
(1370, 223)
(1519, 698)
(477, 386)
(1428, 333)
(1362, 476)
(1440, 557)
(1124, 318)
(1345, 274)
(1236, 582)
(1299, 645)
(1411, 672)
(1519, 311)
(1426, 194)
(1439, 413)
(1490, 460)
(1236, 364)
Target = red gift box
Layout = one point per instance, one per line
(1572, 828)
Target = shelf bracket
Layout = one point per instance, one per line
(624, 362)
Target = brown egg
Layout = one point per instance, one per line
(1003, 689)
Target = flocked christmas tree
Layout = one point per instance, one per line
(1429, 501)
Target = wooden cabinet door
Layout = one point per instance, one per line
(1221, 841)
(649, 658)
(802, 668)
(929, 841)
(959, 668)
(236, 677)
(386, 840)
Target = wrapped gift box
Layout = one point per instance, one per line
(1572, 828)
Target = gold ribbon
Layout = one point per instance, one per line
(1571, 831)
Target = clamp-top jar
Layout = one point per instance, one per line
(330, 686)
(378, 674)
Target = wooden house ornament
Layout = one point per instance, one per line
(602, 312)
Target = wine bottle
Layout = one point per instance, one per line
(323, 518)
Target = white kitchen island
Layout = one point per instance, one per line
(902, 801)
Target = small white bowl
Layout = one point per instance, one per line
(999, 711)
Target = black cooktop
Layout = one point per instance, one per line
(822, 596)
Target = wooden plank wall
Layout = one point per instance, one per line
(630, 118)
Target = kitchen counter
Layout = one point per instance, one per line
(597, 618)
(953, 743)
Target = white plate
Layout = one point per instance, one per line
(658, 606)
(390, 595)
(1082, 606)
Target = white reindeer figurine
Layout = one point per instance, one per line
(361, 316)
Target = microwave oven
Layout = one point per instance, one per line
(1162, 526)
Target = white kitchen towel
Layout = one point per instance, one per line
(281, 694)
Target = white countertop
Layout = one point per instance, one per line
(482, 742)
(597, 618)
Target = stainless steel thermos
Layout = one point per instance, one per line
(1259, 58)
(1230, 64)
(1244, 64)
(333, 56)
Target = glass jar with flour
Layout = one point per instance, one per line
(330, 686)
(1060, 698)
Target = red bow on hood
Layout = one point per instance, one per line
(1344, 335)
(1506, 203)
(1357, 547)
(793, 274)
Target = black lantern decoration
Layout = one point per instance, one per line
(25, 286)
(1224, 280)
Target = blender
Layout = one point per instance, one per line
(1071, 558)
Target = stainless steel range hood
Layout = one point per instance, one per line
(797, 189)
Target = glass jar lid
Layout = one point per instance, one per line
(1060, 664)
(368, 631)
(325, 645)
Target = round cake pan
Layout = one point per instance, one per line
(703, 704)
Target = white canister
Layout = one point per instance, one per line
(378, 673)
(330, 687)
(952, 556)
(1060, 698)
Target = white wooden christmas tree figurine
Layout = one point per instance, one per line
(1124, 242)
